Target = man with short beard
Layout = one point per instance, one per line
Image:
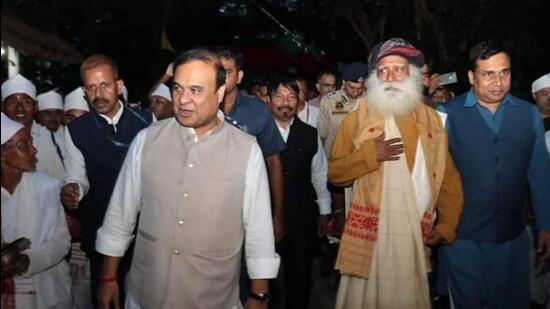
(96, 144)
(307, 200)
(383, 256)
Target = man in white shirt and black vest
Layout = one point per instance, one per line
(306, 197)
(96, 144)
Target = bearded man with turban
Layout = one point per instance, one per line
(393, 149)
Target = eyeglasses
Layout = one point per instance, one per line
(103, 86)
(399, 70)
(490, 76)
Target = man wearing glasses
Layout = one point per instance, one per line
(326, 82)
(497, 143)
(335, 106)
(96, 145)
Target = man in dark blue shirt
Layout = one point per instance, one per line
(253, 117)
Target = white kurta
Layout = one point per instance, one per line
(398, 262)
(49, 161)
(319, 172)
(34, 211)
(309, 114)
(115, 234)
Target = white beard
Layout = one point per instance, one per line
(395, 98)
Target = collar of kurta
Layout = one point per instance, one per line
(188, 131)
(114, 121)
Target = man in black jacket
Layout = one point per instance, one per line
(306, 198)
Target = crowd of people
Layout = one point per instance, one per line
(214, 196)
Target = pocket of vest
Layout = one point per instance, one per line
(216, 254)
(147, 236)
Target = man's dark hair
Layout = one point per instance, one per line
(204, 55)
(324, 72)
(485, 50)
(231, 54)
(284, 80)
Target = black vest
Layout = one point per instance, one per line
(300, 209)
(104, 151)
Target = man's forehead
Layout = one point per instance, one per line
(327, 76)
(228, 63)
(499, 60)
(103, 68)
(22, 135)
(284, 89)
(353, 84)
(19, 97)
(195, 70)
(543, 90)
(391, 59)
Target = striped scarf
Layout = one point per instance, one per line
(361, 229)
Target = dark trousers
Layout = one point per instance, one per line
(485, 274)
(297, 252)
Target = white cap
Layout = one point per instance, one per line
(76, 100)
(9, 128)
(125, 93)
(542, 82)
(18, 84)
(162, 91)
(50, 100)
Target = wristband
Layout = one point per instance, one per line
(263, 297)
(108, 279)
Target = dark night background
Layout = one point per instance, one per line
(310, 34)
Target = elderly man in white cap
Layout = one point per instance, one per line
(19, 102)
(160, 102)
(75, 105)
(36, 277)
(541, 95)
(50, 110)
